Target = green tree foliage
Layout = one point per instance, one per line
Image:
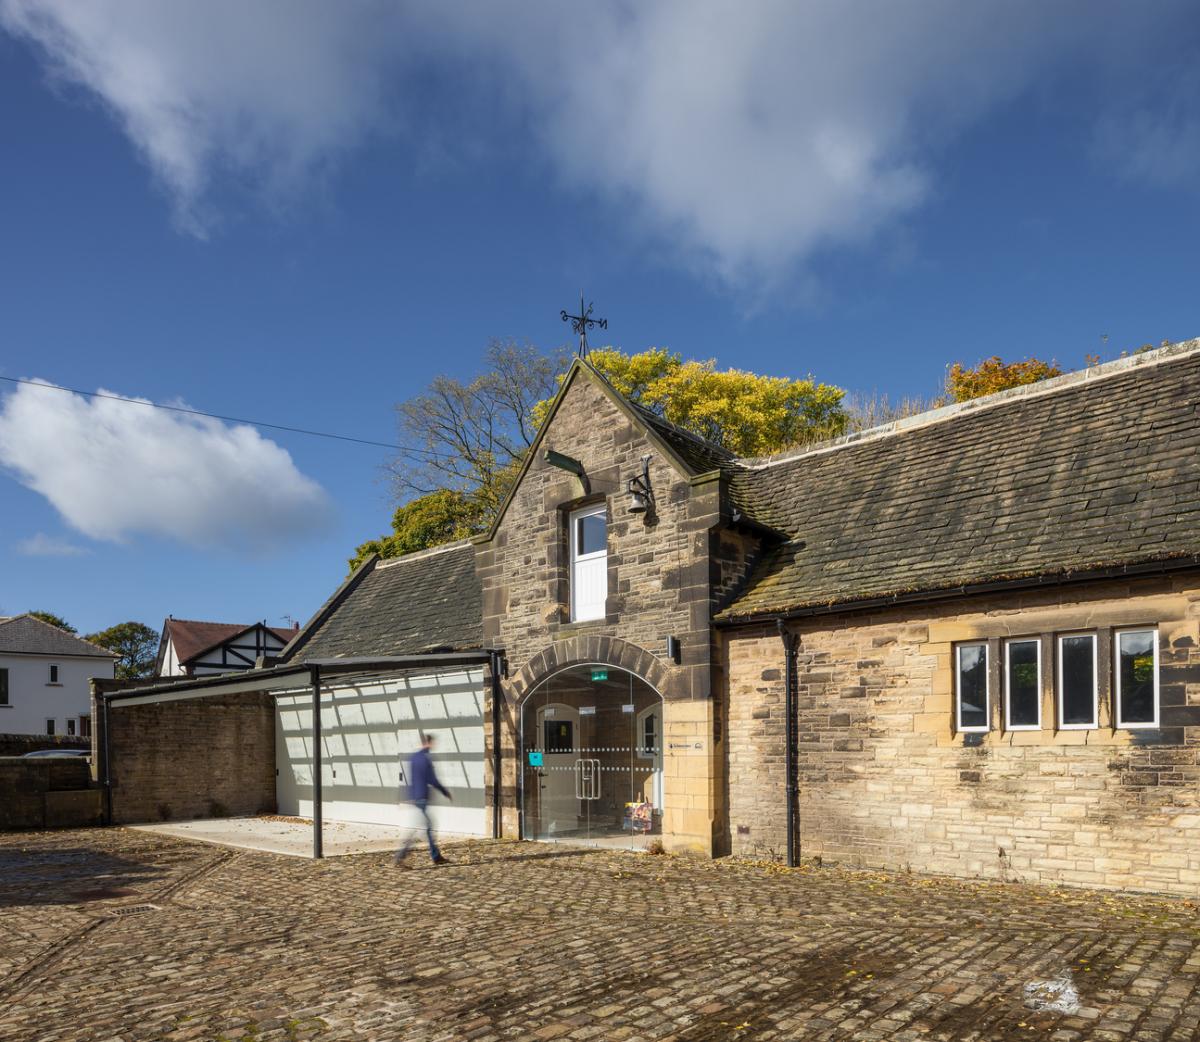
(994, 374)
(134, 644)
(54, 620)
(439, 517)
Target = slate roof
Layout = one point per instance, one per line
(699, 454)
(26, 635)
(192, 638)
(1090, 470)
(428, 601)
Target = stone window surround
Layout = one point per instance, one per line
(1050, 681)
(561, 564)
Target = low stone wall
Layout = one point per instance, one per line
(20, 744)
(45, 792)
(195, 758)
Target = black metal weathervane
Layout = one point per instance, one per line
(582, 322)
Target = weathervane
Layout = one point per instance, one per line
(582, 322)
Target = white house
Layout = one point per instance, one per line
(191, 648)
(44, 674)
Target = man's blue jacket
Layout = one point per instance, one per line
(422, 777)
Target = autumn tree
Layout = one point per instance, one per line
(134, 644)
(747, 413)
(469, 439)
(994, 374)
(54, 620)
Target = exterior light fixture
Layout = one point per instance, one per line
(641, 495)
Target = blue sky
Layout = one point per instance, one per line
(301, 214)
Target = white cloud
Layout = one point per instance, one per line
(115, 470)
(42, 545)
(746, 136)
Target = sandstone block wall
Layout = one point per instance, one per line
(885, 780)
(196, 758)
(660, 582)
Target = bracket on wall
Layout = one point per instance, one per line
(571, 466)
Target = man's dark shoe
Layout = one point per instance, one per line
(439, 860)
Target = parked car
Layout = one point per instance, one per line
(69, 754)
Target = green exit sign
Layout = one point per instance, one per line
(599, 674)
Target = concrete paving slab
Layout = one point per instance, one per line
(276, 834)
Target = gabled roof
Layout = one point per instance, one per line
(688, 453)
(699, 454)
(422, 602)
(28, 635)
(192, 638)
(1093, 470)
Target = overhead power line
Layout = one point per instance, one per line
(218, 416)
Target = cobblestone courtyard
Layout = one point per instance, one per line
(539, 942)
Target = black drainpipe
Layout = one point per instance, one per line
(790, 641)
(497, 668)
(104, 700)
(314, 677)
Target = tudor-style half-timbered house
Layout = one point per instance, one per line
(190, 648)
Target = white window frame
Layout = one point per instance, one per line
(1008, 724)
(573, 519)
(1135, 725)
(642, 753)
(1058, 695)
(987, 687)
(53, 673)
(51, 726)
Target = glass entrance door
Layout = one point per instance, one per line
(591, 756)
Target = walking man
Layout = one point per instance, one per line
(421, 779)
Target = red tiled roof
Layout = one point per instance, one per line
(192, 638)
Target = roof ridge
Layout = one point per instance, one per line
(214, 622)
(429, 551)
(1079, 377)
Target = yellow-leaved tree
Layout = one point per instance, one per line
(470, 438)
(747, 413)
(994, 374)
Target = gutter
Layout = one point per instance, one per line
(1129, 571)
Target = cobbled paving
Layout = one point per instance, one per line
(525, 941)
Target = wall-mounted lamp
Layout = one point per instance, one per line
(641, 495)
(673, 650)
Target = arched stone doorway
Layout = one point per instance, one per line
(591, 755)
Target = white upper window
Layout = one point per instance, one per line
(54, 674)
(589, 562)
(1137, 678)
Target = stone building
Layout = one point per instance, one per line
(966, 642)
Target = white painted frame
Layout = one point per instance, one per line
(987, 687)
(1117, 677)
(1058, 694)
(573, 519)
(1008, 724)
(640, 724)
